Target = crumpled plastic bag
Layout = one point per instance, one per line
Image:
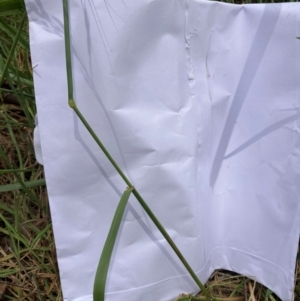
(198, 102)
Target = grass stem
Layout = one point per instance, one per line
(72, 104)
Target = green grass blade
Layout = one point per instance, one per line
(102, 270)
(72, 104)
(6, 209)
(8, 272)
(12, 32)
(14, 234)
(21, 80)
(21, 184)
(14, 141)
(18, 186)
(40, 235)
(12, 50)
(31, 96)
(8, 171)
(24, 106)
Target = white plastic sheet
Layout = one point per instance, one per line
(199, 104)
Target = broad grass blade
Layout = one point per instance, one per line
(102, 270)
(18, 186)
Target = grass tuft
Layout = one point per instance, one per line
(28, 265)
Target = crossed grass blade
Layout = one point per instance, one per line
(11, 32)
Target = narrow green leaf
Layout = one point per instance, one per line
(12, 32)
(5, 208)
(102, 270)
(18, 186)
(22, 185)
(12, 50)
(31, 96)
(7, 171)
(20, 80)
(22, 103)
(14, 141)
(9, 230)
(40, 235)
(8, 272)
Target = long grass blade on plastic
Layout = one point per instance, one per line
(73, 105)
(102, 270)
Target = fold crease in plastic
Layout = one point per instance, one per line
(198, 102)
